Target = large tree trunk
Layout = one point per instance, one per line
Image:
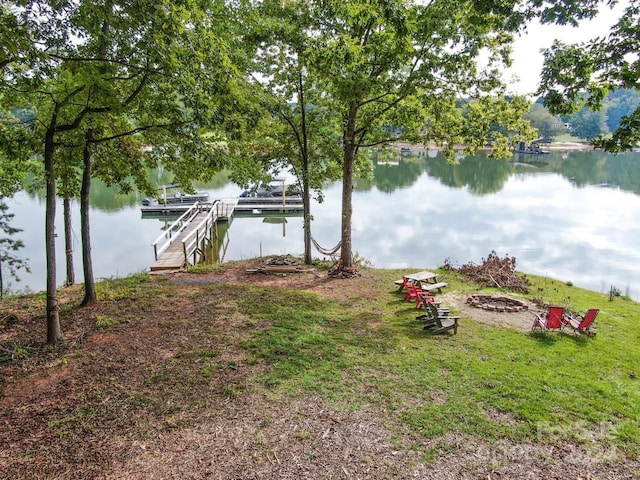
(306, 213)
(350, 150)
(54, 333)
(347, 189)
(68, 242)
(306, 195)
(90, 294)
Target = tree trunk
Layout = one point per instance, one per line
(306, 215)
(306, 195)
(90, 294)
(350, 150)
(68, 242)
(347, 189)
(54, 333)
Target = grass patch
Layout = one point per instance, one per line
(123, 288)
(104, 322)
(567, 137)
(193, 350)
(307, 340)
(487, 382)
(202, 268)
(12, 351)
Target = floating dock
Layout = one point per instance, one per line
(259, 205)
(242, 205)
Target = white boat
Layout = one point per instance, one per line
(272, 189)
(185, 198)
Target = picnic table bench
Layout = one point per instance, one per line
(433, 286)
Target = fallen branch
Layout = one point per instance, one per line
(11, 351)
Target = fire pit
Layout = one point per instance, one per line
(497, 303)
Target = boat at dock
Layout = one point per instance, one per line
(276, 188)
(186, 198)
(175, 197)
(275, 197)
(533, 149)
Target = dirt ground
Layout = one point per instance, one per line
(522, 320)
(49, 431)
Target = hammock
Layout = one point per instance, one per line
(325, 251)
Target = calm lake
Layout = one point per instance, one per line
(568, 215)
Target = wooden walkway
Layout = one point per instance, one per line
(187, 237)
(185, 241)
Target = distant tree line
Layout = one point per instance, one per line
(587, 123)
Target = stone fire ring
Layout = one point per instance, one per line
(497, 303)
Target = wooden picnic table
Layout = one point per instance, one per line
(424, 276)
(427, 280)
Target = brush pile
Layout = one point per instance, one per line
(494, 272)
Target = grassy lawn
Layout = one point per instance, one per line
(567, 137)
(160, 354)
(486, 381)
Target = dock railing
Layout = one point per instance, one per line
(174, 229)
(225, 207)
(192, 241)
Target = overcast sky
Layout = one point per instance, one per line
(527, 59)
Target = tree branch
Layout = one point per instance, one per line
(130, 132)
(91, 110)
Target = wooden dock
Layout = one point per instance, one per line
(187, 237)
(243, 205)
(262, 205)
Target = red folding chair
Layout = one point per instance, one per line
(582, 323)
(552, 320)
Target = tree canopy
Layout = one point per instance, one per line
(390, 70)
(160, 73)
(88, 84)
(548, 125)
(583, 74)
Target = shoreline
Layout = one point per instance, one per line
(569, 146)
(555, 146)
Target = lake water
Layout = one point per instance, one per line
(572, 216)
